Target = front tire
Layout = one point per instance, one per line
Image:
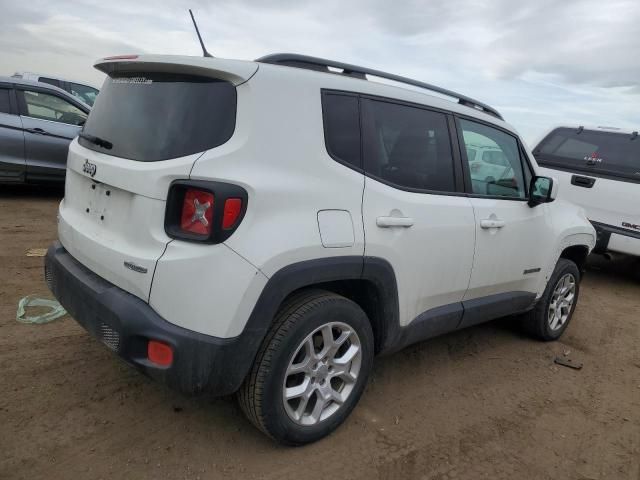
(311, 368)
(553, 312)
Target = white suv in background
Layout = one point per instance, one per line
(599, 169)
(268, 227)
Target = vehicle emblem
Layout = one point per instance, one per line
(135, 268)
(631, 225)
(89, 168)
(201, 209)
(593, 159)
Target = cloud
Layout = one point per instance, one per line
(541, 63)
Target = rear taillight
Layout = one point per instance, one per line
(197, 212)
(207, 212)
(232, 210)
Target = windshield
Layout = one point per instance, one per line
(158, 116)
(612, 153)
(84, 92)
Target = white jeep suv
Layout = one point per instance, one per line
(599, 169)
(267, 227)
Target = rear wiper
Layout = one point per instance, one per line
(101, 142)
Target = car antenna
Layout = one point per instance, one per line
(580, 128)
(204, 49)
(634, 135)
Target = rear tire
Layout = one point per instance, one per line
(311, 369)
(554, 310)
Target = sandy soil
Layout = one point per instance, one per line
(483, 403)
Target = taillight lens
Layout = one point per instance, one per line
(204, 211)
(197, 212)
(232, 210)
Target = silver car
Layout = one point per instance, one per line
(37, 123)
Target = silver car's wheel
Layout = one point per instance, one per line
(562, 300)
(322, 373)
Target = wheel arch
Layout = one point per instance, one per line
(577, 254)
(370, 282)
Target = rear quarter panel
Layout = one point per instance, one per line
(282, 162)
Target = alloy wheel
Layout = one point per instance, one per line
(322, 373)
(562, 300)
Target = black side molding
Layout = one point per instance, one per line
(447, 318)
(483, 309)
(603, 235)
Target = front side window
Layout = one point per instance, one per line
(407, 147)
(498, 170)
(84, 92)
(53, 108)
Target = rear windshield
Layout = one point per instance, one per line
(610, 153)
(158, 116)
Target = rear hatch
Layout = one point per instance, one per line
(598, 170)
(153, 119)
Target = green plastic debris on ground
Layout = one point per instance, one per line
(55, 310)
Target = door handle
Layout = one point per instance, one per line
(38, 131)
(492, 223)
(386, 222)
(580, 181)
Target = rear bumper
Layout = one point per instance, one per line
(125, 324)
(609, 237)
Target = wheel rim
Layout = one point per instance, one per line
(322, 373)
(564, 295)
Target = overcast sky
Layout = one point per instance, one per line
(540, 63)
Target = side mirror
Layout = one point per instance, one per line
(542, 190)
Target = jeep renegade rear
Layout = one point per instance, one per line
(267, 227)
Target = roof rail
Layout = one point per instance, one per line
(323, 65)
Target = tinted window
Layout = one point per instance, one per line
(408, 146)
(499, 170)
(50, 81)
(83, 92)
(342, 127)
(5, 105)
(157, 116)
(53, 108)
(605, 152)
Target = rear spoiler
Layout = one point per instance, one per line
(234, 71)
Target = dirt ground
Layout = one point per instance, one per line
(485, 403)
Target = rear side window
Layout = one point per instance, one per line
(5, 105)
(158, 116)
(341, 116)
(407, 147)
(616, 154)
